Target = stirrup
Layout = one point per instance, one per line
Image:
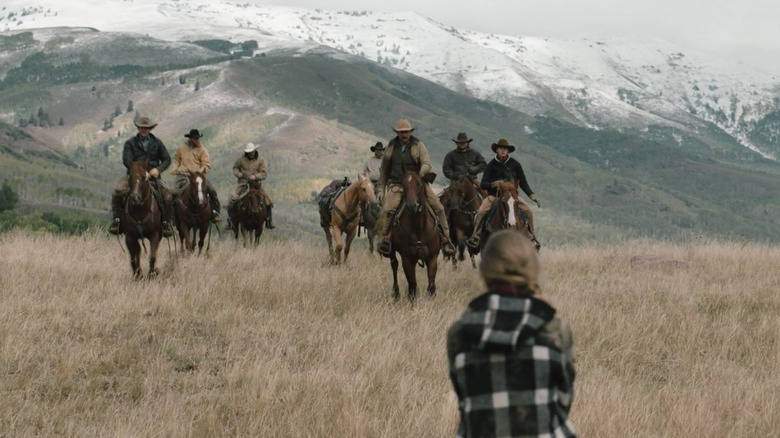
(448, 249)
(114, 227)
(384, 248)
(167, 229)
(473, 242)
(270, 224)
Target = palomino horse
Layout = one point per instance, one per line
(462, 202)
(415, 236)
(345, 217)
(505, 213)
(141, 218)
(193, 211)
(250, 214)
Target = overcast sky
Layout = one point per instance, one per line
(746, 30)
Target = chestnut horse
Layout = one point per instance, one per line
(505, 213)
(250, 214)
(415, 236)
(462, 202)
(141, 218)
(345, 217)
(193, 211)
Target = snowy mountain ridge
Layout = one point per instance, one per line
(600, 83)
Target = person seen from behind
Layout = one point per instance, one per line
(510, 358)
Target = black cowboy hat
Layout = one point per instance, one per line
(463, 138)
(194, 133)
(377, 147)
(502, 143)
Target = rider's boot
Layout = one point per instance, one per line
(269, 221)
(116, 208)
(446, 246)
(384, 230)
(215, 207)
(167, 217)
(473, 241)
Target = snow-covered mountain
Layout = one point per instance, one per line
(608, 82)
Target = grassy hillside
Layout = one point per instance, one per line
(669, 340)
(315, 116)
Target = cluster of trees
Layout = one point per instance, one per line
(41, 119)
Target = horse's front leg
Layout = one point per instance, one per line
(394, 267)
(243, 235)
(339, 244)
(410, 267)
(329, 238)
(202, 238)
(433, 265)
(134, 248)
(350, 237)
(154, 244)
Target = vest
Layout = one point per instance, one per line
(401, 162)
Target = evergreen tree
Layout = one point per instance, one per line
(8, 197)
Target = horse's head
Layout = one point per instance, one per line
(413, 192)
(198, 187)
(254, 203)
(365, 189)
(507, 194)
(138, 179)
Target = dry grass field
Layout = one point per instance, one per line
(271, 342)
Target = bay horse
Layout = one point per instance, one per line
(141, 218)
(415, 236)
(505, 213)
(345, 217)
(461, 204)
(249, 214)
(193, 211)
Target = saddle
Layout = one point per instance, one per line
(327, 197)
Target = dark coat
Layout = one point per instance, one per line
(511, 170)
(512, 367)
(458, 163)
(156, 153)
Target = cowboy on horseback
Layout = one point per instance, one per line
(461, 161)
(144, 146)
(191, 157)
(406, 152)
(502, 168)
(249, 168)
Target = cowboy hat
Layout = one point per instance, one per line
(194, 133)
(250, 147)
(502, 143)
(403, 126)
(377, 147)
(462, 138)
(145, 122)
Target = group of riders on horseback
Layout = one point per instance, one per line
(385, 168)
(190, 157)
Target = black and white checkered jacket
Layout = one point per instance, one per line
(512, 368)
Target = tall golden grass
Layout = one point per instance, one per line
(272, 342)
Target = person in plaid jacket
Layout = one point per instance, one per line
(510, 358)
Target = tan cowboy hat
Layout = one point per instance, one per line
(144, 122)
(463, 138)
(502, 143)
(403, 126)
(377, 147)
(510, 257)
(250, 147)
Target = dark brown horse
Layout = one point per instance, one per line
(141, 218)
(505, 213)
(193, 211)
(461, 202)
(345, 217)
(414, 236)
(250, 214)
